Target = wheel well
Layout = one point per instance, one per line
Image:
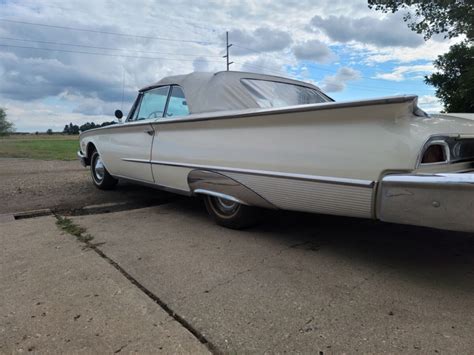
(219, 185)
(90, 149)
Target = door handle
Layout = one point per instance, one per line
(149, 131)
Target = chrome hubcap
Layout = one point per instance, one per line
(99, 169)
(226, 206)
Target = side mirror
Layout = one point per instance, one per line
(118, 114)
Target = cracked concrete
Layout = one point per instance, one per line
(58, 297)
(300, 283)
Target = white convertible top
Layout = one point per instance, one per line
(221, 91)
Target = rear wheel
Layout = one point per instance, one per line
(231, 214)
(100, 176)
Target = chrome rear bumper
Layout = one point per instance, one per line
(444, 201)
(83, 159)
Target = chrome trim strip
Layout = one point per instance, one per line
(153, 185)
(144, 161)
(317, 178)
(438, 179)
(218, 194)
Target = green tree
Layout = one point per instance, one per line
(49, 131)
(6, 127)
(73, 129)
(428, 17)
(454, 81)
(87, 126)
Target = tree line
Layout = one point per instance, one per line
(7, 127)
(75, 129)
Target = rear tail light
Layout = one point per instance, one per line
(435, 153)
(463, 150)
(446, 149)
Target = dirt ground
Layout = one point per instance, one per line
(28, 184)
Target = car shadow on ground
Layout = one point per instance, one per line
(435, 258)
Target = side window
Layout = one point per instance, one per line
(152, 104)
(177, 105)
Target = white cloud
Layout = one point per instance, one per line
(389, 31)
(405, 72)
(201, 64)
(429, 50)
(264, 65)
(314, 50)
(337, 82)
(430, 103)
(262, 39)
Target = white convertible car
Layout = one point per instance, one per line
(247, 141)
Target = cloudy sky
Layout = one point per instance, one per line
(78, 61)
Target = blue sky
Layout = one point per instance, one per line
(73, 62)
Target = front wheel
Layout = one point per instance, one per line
(100, 176)
(231, 214)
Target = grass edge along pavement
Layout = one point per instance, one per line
(68, 226)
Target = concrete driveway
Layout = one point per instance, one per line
(168, 279)
(300, 283)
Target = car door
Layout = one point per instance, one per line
(129, 145)
(168, 146)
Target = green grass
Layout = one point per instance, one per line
(41, 146)
(70, 227)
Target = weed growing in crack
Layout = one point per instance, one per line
(70, 227)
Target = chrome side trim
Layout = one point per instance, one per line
(315, 178)
(437, 179)
(153, 185)
(219, 185)
(444, 201)
(218, 194)
(145, 161)
(310, 196)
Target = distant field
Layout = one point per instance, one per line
(41, 146)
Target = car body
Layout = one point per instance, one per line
(246, 140)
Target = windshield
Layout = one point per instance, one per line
(277, 94)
